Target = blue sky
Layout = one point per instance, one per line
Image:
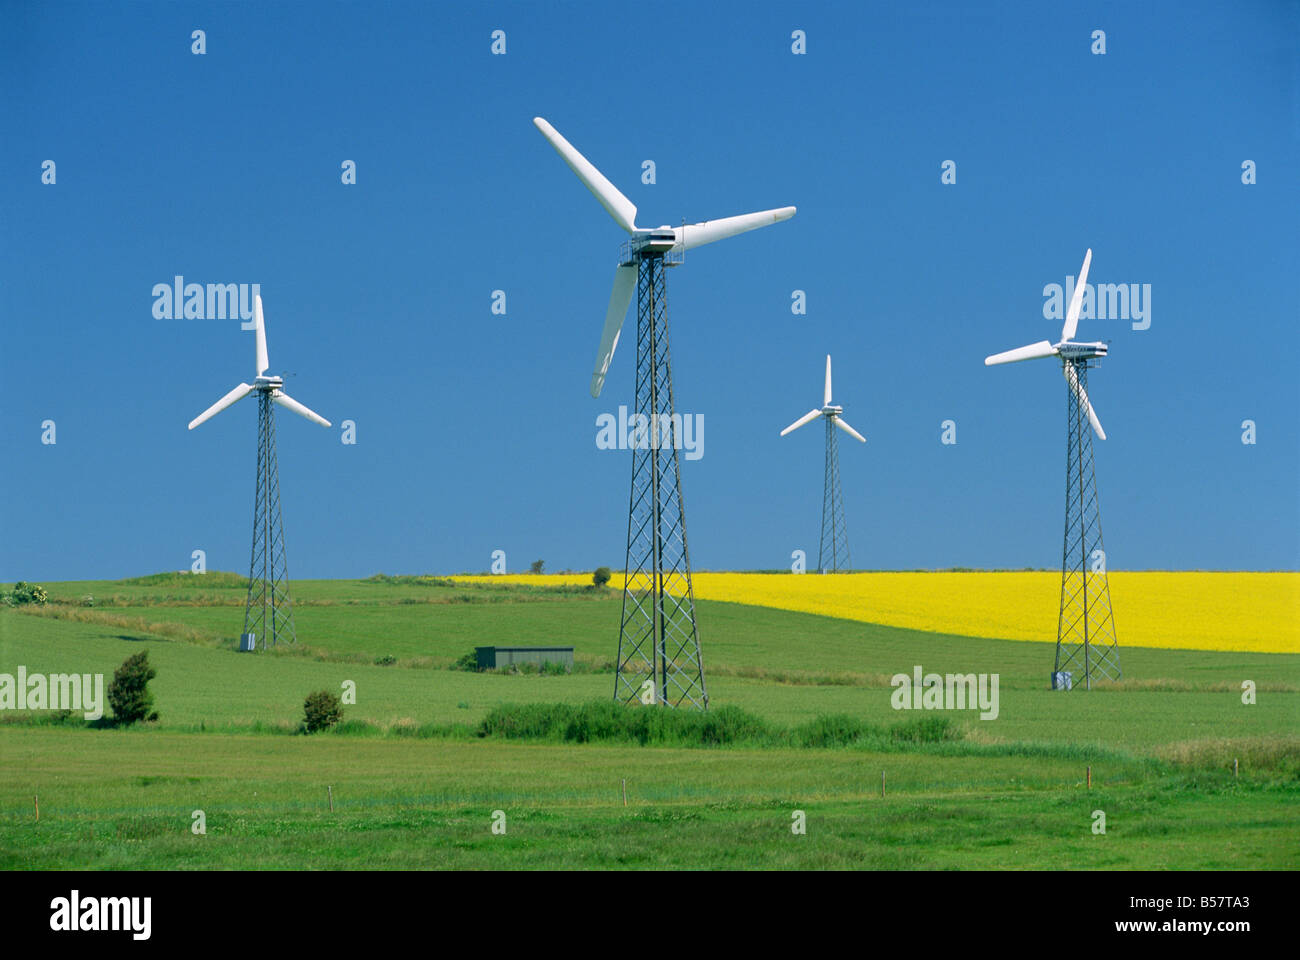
(476, 431)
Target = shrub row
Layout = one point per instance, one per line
(610, 722)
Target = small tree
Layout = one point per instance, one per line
(321, 710)
(468, 662)
(536, 566)
(24, 592)
(129, 694)
(601, 576)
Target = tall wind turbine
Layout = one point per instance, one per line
(834, 551)
(268, 611)
(658, 642)
(1085, 631)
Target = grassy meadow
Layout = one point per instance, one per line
(415, 781)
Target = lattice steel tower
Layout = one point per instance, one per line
(1085, 633)
(833, 555)
(658, 638)
(268, 614)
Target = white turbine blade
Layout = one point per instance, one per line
(619, 300)
(1032, 352)
(233, 396)
(620, 207)
(847, 429)
(808, 417)
(698, 234)
(826, 396)
(284, 400)
(1076, 301)
(1073, 379)
(259, 324)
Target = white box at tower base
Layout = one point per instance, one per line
(247, 642)
(1061, 680)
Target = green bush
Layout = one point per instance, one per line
(536, 566)
(128, 694)
(467, 662)
(387, 660)
(24, 593)
(321, 710)
(601, 576)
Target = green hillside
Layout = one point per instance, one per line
(409, 762)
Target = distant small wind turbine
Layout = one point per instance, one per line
(268, 609)
(835, 541)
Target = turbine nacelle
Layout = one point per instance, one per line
(660, 240)
(1070, 350)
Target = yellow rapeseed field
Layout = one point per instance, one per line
(1192, 610)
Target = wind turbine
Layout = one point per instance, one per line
(268, 609)
(1085, 631)
(658, 644)
(835, 540)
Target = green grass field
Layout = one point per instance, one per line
(414, 786)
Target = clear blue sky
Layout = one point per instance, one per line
(476, 432)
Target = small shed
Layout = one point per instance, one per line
(493, 658)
